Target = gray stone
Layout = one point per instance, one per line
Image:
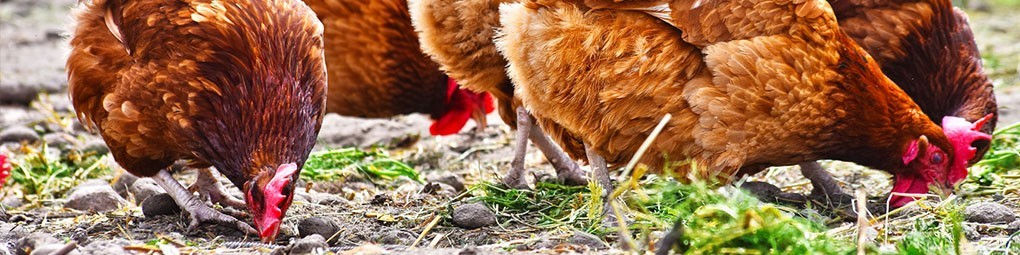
(1013, 226)
(472, 216)
(106, 247)
(27, 244)
(313, 244)
(89, 183)
(395, 237)
(451, 180)
(52, 249)
(145, 188)
(122, 183)
(325, 198)
(586, 239)
(989, 212)
(94, 199)
(18, 134)
(95, 145)
(11, 115)
(59, 140)
(159, 204)
(316, 225)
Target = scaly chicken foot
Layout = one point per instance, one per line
(825, 188)
(567, 170)
(515, 177)
(198, 210)
(600, 170)
(210, 189)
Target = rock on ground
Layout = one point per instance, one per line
(313, 244)
(472, 216)
(145, 188)
(123, 182)
(586, 239)
(17, 134)
(27, 244)
(94, 198)
(159, 204)
(989, 212)
(316, 225)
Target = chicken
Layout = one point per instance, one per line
(750, 84)
(235, 85)
(458, 35)
(927, 48)
(376, 67)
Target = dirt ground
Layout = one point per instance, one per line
(386, 218)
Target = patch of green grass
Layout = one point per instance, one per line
(341, 163)
(45, 175)
(729, 220)
(1003, 156)
(548, 205)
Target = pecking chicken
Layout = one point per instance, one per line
(235, 85)
(927, 48)
(750, 84)
(376, 67)
(458, 34)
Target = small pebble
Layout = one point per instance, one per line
(451, 180)
(123, 183)
(94, 199)
(316, 225)
(160, 204)
(586, 239)
(58, 140)
(51, 249)
(989, 212)
(325, 198)
(472, 216)
(145, 188)
(106, 247)
(313, 244)
(395, 237)
(17, 134)
(32, 241)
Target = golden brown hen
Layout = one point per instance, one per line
(237, 85)
(750, 84)
(376, 67)
(458, 35)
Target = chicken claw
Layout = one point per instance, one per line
(199, 211)
(515, 177)
(210, 189)
(567, 170)
(824, 185)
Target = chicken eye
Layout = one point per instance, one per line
(937, 158)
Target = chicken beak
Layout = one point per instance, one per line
(269, 233)
(480, 118)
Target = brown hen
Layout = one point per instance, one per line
(236, 85)
(377, 69)
(750, 84)
(458, 35)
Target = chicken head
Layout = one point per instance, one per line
(462, 105)
(268, 197)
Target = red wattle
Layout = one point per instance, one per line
(450, 123)
(907, 185)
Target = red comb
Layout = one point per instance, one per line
(962, 134)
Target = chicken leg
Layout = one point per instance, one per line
(567, 170)
(600, 171)
(210, 189)
(822, 182)
(199, 211)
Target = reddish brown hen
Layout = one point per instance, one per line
(377, 69)
(231, 84)
(927, 48)
(750, 84)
